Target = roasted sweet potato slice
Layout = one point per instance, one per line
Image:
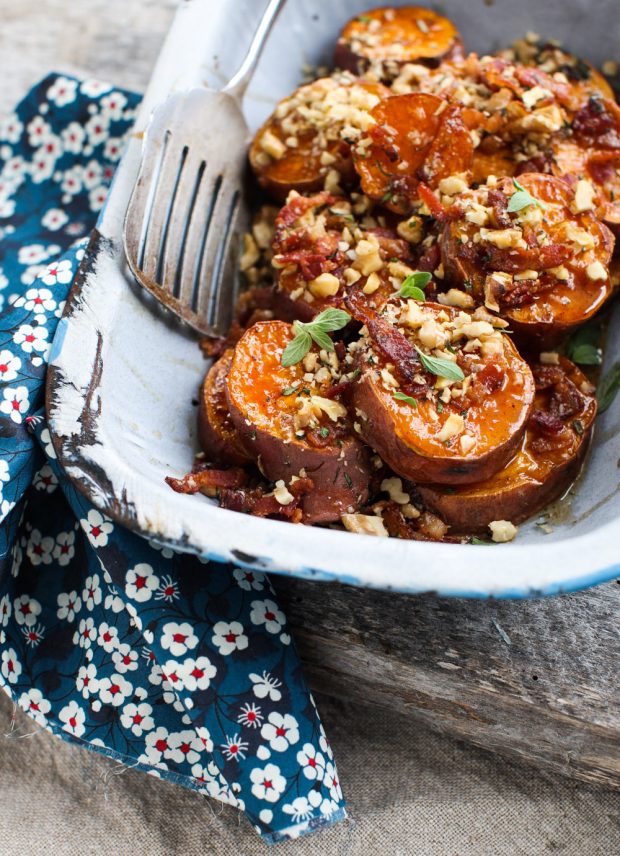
(546, 463)
(321, 251)
(217, 434)
(293, 423)
(310, 134)
(426, 426)
(394, 36)
(543, 267)
(417, 138)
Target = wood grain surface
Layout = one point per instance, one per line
(534, 680)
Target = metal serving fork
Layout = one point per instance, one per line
(187, 205)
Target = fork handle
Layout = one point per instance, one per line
(237, 85)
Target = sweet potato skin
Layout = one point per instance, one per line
(529, 482)
(216, 433)
(398, 35)
(406, 439)
(340, 471)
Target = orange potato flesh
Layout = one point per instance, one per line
(396, 35)
(218, 437)
(409, 439)
(265, 418)
(565, 303)
(308, 128)
(537, 474)
(417, 139)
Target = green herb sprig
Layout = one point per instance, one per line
(314, 331)
(441, 367)
(413, 286)
(521, 199)
(608, 388)
(400, 396)
(583, 346)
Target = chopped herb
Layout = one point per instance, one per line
(439, 406)
(578, 426)
(315, 330)
(363, 19)
(608, 387)
(582, 347)
(587, 355)
(521, 199)
(467, 285)
(387, 196)
(324, 432)
(347, 478)
(413, 286)
(480, 542)
(289, 390)
(441, 367)
(400, 396)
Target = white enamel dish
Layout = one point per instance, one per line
(123, 376)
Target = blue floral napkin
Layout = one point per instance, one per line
(182, 668)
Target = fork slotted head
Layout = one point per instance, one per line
(187, 207)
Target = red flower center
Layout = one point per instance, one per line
(267, 783)
(185, 748)
(72, 721)
(140, 582)
(269, 616)
(137, 719)
(95, 531)
(179, 637)
(230, 637)
(161, 745)
(251, 716)
(281, 732)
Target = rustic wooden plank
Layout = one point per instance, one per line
(533, 680)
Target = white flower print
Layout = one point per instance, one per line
(42, 165)
(125, 659)
(30, 274)
(69, 604)
(178, 638)
(4, 280)
(300, 809)
(94, 88)
(33, 635)
(62, 91)
(141, 582)
(5, 508)
(114, 690)
(46, 439)
(112, 601)
(265, 686)
(5, 475)
(39, 548)
(156, 744)
(330, 780)
(5, 610)
(11, 128)
(97, 128)
(228, 636)
(107, 637)
(57, 272)
(39, 132)
(64, 549)
(54, 219)
(234, 748)
(26, 610)
(14, 171)
(97, 527)
(203, 733)
(312, 762)
(112, 105)
(250, 715)
(9, 366)
(281, 731)
(92, 594)
(45, 479)
(195, 674)
(268, 783)
(35, 705)
(97, 197)
(10, 667)
(73, 137)
(113, 148)
(86, 681)
(15, 402)
(267, 612)
(32, 254)
(86, 633)
(249, 580)
(72, 181)
(37, 300)
(91, 174)
(7, 207)
(137, 717)
(31, 338)
(184, 746)
(73, 718)
(168, 590)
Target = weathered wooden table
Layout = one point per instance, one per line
(535, 680)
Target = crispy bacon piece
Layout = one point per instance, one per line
(598, 124)
(437, 209)
(256, 502)
(545, 422)
(426, 527)
(208, 479)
